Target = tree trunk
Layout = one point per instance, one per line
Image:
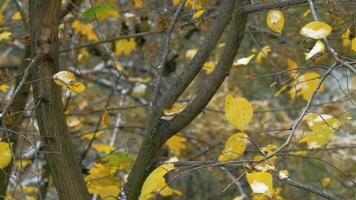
(63, 164)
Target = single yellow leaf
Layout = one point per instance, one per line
(238, 111)
(176, 144)
(29, 189)
(103, 148)
(305, 85)
(23, 163)
(209, 67)
(292, 66)
(68, 81)
(325, 182)
(316, 30)
(5, 35)
(125, 47)
(283, 174)
(4, 88)
(175, 109)
(86, 30)
(5, 154)
(353, 44)
(234, 147)
(105, 119)
(198, 14)
(16, 16)
(319, 47)
(155, 182)
(263, 54)
(138, 3)
(346, 38)
(260, 183)
(190, 53)
(139, 90)
(91, 135)
(243, 61)
(275, 20)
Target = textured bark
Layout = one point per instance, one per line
(158, 133)
(63, 164)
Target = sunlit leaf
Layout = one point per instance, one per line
(325, 182)
(316, 30)
(105, 119)
(292, 66)
(155, 182)
(5, 154)
(103, 148)
(23, 163)
(177, 144)
(243, 61)
(121, 161)
(101, 11)
(209, 67)
(319, 47)
(263, 54)
(175, 109)
(198, 14)
(275, 20)
(305, 85)
(190, 53)
(260, 182)
(4, 88)
(234, 147)
(68, 81)
(346, 41)
(283, 174)
(125, 47)
(238, 111)
(5, 35)
(139, 90)
(353, 44)
(91, 135)
(86, 30)
(138, 3)
(16, 16)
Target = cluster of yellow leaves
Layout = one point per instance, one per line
(125, 47)
(305, 85)
(5, 154)
(323, 129)
(155, 183)
(349, 39)
(101, 181)
(86, 30)
(177, 144)
(68, 81)
(263, 54)
(275, 20)
(234, 147)
(238, 111)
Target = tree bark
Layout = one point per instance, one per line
(63, 164)
(158, 133)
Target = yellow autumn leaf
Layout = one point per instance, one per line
(353, 44)
(265, 166)
(30, 189)
(105, 119)
(156, 182)
(305, 85)
(83, 54)
(260, 183)
(209, 67)
(238, 111)
(346, 38)
(175, 109)
(176, 144)
(103, 148)
(23, 163)
(198, 14)
(4, 88)
(138, 3)
(319, 47)
(275, 20)
(243, 61)
(86, 30)
(139, 90)
(5, 35)
(263, 54)
(283, 174)
(325, 182)
(91, 135)
(190, 53)
(234, 147)
(16, 16)
(316, 30)
(5, 154)
(2, 19)
(125, 47)
(67, 80)
(292, 66)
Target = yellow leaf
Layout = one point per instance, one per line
(139, 90)
(346, 38)
(260, 183)
(68, 81)
(90, 136)
(325, 182)
(190, 53)
(316, 30)
(353, 44)
(23, 163)
(4, 87)
(243, 61)
(267, 165)
(86, 30)
(283, 174)
(125, 47)
(138, 3)
(176, 144)
(155, 182)
(305, 85)
(83, 54)
(2, 19)
(238, 111)
(105, 119)
(5, 35)
(175, 109)
(198, 14)
(263, 54)
(275, 20)
(319, 47)
(306, 13)
(5, 154)
(16, 16)
(30, 189)
(209, 67)
(234, 147)
(292, 66)
(103, 148)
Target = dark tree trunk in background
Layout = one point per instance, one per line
(63, 164)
